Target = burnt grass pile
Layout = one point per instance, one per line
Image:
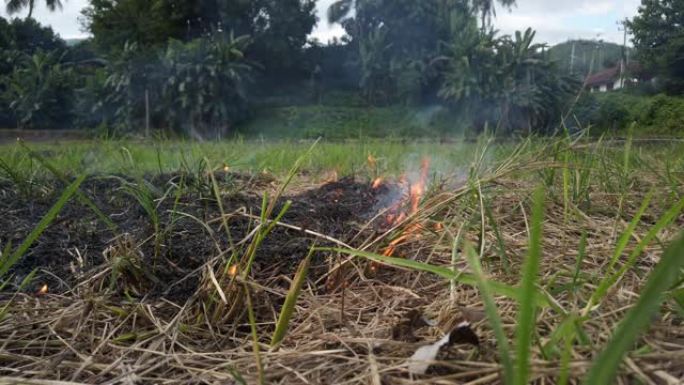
(186, 231)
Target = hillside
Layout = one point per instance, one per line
(590, 56)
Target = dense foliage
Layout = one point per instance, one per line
(659, 114)
(202, 68)
(659, 39)
(36, 88)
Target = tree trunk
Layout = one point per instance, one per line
(31, 3)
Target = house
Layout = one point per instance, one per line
(614, 78)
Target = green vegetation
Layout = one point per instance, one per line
(617, 111)
(659, 40)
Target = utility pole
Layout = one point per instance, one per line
(623, 26)
(572, 58)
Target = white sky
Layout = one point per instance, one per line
(555, 21)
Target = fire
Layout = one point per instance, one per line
(377, 183)
(226, 168)
(372, 162)
(43, 290)
(233, 270)
(416, 191)
(331, 177)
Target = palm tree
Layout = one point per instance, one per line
(16, 6)
(487, 9)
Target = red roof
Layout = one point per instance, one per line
(610, 75)
(604, 77)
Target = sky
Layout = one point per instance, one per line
(555, 21)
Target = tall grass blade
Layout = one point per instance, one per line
(255, 336)
(496, 287)
(612, 279)
(661, 279)
(528, 305)
(492, 312)
(81, 196)
(291, 300)
(7, 263)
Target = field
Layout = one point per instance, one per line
(546, 261)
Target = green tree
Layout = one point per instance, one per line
(203, 93)
(16, 6)
(278, 29)
(658, 32)
(503, 82)
(398, 40)
(487, 10)
(40, 92)
(20, 39)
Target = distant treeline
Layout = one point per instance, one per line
(202, 68)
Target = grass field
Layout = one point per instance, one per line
(301, 262)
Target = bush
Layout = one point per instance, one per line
(615, 111)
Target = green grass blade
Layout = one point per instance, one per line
(6, 264)
(651, 296)
(81, 196)
(492, 312)
(627, 234)
(255, 337)
(291, 300)
(612, 279)
(528, 305)
(497, 288)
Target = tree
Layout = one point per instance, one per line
(40, 92)
(29, 37)
(395, 42)
(278, 29)
(506, 83)
(16, 6)
(658, 31)
(203, 91)
(21, 39)
(411, 33)
(487, 10)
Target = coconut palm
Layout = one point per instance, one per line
(16, 6)
(487, 9)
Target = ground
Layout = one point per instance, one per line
(186, 278)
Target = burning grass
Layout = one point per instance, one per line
(214, 276)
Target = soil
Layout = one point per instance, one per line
(74, 243)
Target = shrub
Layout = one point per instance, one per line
(615, 111)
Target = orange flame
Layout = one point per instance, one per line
(332, 177)
(226, 168)
(233, 270)
(43, 290)
(372, 162)
(377, 183)
(416, 192)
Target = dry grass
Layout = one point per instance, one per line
(347, 325)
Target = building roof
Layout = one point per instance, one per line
(610, 75)
(603, 77)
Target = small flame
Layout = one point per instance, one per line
(377, 183)
(331, 177)
(418, 188)
(416, 191)
(233, 270)
(372, 162)
(226, 168)
(43, 290)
